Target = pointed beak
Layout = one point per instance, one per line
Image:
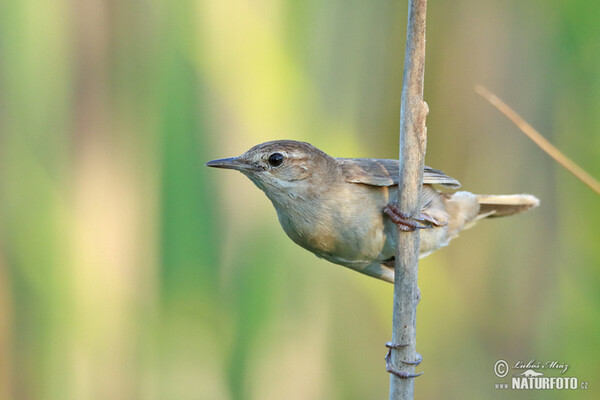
(231, 163)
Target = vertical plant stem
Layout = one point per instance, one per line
(413, 140)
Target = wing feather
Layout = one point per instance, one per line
(380, 172)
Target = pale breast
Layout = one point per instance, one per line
(346, 228)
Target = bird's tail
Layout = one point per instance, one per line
(465, 208)
(493, 206)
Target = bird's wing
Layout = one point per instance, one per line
(377, 172)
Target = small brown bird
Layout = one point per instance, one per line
(344, 209)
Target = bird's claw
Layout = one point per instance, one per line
(426, 224)
(390, 368)
(405, 222)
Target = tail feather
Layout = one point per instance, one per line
(493, 206)
(465, 209)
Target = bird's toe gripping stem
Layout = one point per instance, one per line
(405, 222)
(392, 370)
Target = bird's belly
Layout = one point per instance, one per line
(352, 233)
(347, 238)
(432, 239)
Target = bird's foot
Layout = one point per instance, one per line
(405, 222)
(392, 370)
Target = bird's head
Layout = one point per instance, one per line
(282, 167)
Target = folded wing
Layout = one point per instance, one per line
(378, 172)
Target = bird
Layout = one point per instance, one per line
(345, 210)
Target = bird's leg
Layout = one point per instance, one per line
(390, 368)
(403, 221)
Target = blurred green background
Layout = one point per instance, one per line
(128, 270)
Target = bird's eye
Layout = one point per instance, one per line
(276, 159)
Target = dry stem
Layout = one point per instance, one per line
(413, 139)
(538, 139)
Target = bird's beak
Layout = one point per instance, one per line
(231, 163)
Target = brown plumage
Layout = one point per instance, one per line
(333, 207)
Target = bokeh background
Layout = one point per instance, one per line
(128, 270)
